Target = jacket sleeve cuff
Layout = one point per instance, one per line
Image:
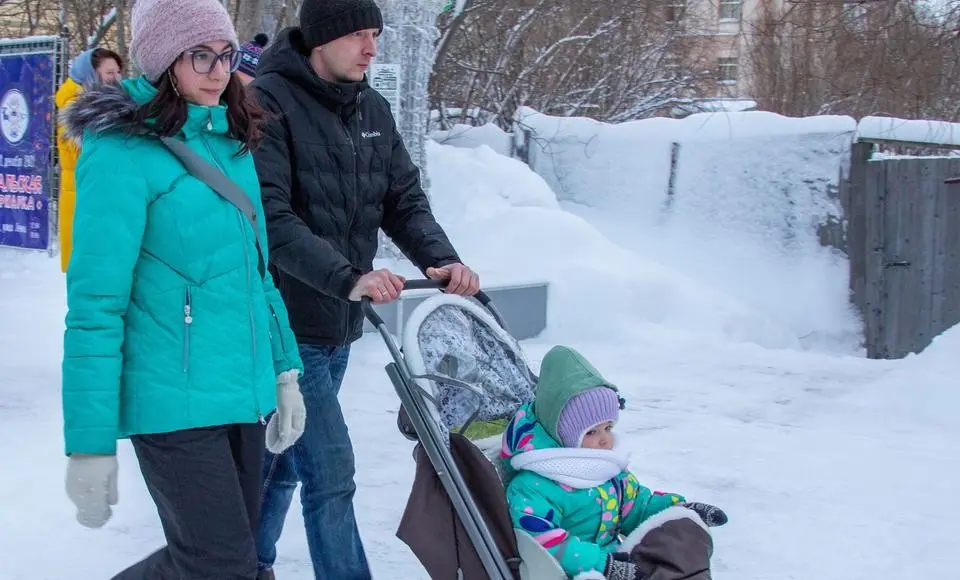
(91, 441)
(446, 262)
(348, 282)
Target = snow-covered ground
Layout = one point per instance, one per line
(830, 466)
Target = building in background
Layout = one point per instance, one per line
(721, 29)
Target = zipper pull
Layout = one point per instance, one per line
(187, 317)
(260, 418)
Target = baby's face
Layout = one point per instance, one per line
(600, 437)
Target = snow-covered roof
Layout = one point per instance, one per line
(909, 131)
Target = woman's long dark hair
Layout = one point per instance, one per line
(168, 112)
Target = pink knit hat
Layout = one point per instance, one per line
(163, 29)
(584, 412)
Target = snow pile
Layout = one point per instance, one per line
(469, 136)
(750, 191)
(922, 388)
(506, 222)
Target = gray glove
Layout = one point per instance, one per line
(619, 567)
(288, 423)
(710, 514)
(92, 486)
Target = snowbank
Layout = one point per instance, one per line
(940, 356)
(922, 388)
(469, 136)
(506, 222)
(750, 191)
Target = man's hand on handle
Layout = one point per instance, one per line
(380, 286)
(463, 280)
(383, 286)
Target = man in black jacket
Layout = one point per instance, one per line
(333, 170)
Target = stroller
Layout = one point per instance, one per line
(460, 377)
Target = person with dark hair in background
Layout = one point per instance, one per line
(334, 170)
(250, 57)
(97, 65)
(175, 337)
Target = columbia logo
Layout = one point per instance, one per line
(370, 134)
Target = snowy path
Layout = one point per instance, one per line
(827, 469)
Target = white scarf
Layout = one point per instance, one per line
(578, 468)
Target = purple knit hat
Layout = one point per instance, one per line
(162, 30)
(585, 411)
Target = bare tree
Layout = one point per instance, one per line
(880, 57)
(29, 17)
(276, 15)
(123, 11)
(614, 61)
(266, 16)
(89, 22)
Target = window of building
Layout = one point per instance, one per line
(729, 9)
(676, 10)
(727, 70)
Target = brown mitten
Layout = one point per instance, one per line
(672, 545)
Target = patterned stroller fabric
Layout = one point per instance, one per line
(453, 337)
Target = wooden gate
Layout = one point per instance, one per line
(903, 240)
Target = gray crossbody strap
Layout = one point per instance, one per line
(220, 183)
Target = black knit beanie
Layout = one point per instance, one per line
(324, 20)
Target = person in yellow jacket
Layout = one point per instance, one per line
(94, 65)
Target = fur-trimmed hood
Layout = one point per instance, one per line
(107, 107)
(99, 107)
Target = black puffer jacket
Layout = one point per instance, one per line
(334, 170)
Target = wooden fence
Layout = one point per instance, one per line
(903, 241)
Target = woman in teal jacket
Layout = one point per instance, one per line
(173, 338)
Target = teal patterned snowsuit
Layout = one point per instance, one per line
(579, 527)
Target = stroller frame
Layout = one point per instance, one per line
(412, 397)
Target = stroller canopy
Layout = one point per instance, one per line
(478, 375)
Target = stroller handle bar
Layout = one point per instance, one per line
(366, 305)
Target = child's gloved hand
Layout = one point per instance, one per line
(711, 515)
(619, 567)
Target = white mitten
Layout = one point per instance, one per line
(286, 425)
(92, 486)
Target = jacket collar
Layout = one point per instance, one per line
(200, 119)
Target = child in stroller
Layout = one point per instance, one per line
(570, 488)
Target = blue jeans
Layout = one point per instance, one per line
(322, 460)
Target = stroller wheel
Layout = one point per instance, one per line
(405, 426)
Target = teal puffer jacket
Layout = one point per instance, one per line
(169, 325)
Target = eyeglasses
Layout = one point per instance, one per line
(205, 60)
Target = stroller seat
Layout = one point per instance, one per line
(536, 562)
(460, 377)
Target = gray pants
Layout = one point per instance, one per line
(206, 485)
